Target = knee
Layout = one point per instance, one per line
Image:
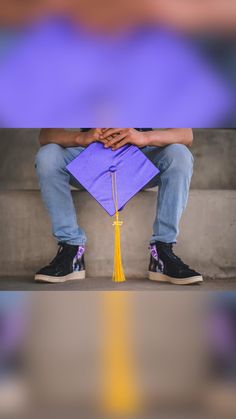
(49, 160)
(180, 159)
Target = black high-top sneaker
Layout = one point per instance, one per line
(165, 266)
(67, 265)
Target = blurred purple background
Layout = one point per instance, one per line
(55, 74)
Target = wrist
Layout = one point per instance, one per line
(79, 139)
(149, 138)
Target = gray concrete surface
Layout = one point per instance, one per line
(208, 230)
(105, 284)
(206, 242)
(214, 152)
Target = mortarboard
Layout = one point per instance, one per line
(113, 178)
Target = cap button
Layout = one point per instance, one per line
(112, 169)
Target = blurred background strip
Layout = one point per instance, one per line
(106, 63)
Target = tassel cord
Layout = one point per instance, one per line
(118, 272)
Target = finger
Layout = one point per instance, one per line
(102, 141)
(115, 140)
(120, 144)
(101, 135)
(107, 141)
(104, 130)
(112, 131)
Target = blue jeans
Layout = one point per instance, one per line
(174, 161)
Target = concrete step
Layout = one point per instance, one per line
(214, 152)
(23, 283)
(206, 242)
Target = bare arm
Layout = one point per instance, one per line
(58, 136)
(67, 138)
(189, 15)
(195, 15)
(165, 137)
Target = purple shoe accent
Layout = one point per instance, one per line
(155, 255)
(153, 251)
(80, 252)
(76, 264)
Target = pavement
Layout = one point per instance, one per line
(106, 284)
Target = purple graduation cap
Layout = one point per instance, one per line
(113, 178)
(96, 166)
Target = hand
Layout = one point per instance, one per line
(87, 137)
(118, 137)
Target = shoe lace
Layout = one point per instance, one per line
(176, 258)
(58, 255)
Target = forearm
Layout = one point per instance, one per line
(60, 137)
(195, 15)
(162, 138)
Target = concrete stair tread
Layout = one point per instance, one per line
(206, 241)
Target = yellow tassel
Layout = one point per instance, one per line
(118, 272)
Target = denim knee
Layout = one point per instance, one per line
(180, 159)
(49, 160)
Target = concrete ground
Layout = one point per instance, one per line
(106, 284)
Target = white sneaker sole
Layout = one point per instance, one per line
(156, 276)
(75, 276)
